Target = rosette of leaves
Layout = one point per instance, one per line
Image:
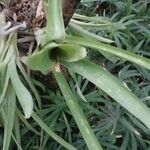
(58, 48)
(51, 38)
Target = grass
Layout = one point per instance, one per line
(113, 125)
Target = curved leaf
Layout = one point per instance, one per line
(48, 130)
(69, 52)
(85, 33)
(40, 61)
(21, 91)
(5, 88)
(77, 113)
(27, 78)
(9, 117)
(127, 55)
(113, 87)
(2, 38)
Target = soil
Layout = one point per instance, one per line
(24, 10)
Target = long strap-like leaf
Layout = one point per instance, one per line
(48, 130)
(21, 91)
(9, 117)
(113, 87)
(77, 113)
(127, 55)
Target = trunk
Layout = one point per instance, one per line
(69, 7)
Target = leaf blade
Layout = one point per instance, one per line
(10, 117)
(113, 87)
(77, 113)
(22, 93)
(127, 55)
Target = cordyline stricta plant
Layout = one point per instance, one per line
(55, 48)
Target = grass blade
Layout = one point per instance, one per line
(51, 133)
(125, 142)
(17, 132)
(25, 122)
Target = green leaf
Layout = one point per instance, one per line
(25, 122)
(55, 30)
(77, 85)
(17, 131)
(17, 143)
(21, 91)
(77, 113)
(133, 141)
(40, 61)
(125, 142)
(69, 52)
(96, 19)
(127, 55)
(113, 87)
(5, 87)
(2, 38)
(51, 133)
(9, 118)
(8, 51)
(85, 33)
(30, 83)
(9, 46)
(91, 25)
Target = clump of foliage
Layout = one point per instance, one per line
(91, 88)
